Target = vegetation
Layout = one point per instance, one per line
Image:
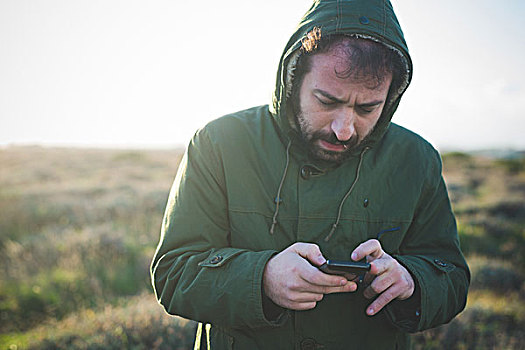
(78, 228)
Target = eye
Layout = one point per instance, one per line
(365, 110)
(326, 102)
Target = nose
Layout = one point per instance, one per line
(343, 125)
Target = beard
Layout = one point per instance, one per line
(312, 139)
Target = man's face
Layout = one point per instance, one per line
(337, 113)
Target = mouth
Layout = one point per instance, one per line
(332, 147)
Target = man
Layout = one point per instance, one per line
(264, 196)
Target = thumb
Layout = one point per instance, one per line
(309, 251)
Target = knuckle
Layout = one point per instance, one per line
(293, 297)
(374, 244)
(395, 263)
(311, 277)
(402, 282)
(296, 246)
(406, 284)
(388, 280)
(375, 288)
(292, 285)
(387, 295)
(390, 296)
(398, 276)
(313, 248)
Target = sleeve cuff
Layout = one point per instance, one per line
(272, 311)
(406, 314)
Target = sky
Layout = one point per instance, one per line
(129, 73)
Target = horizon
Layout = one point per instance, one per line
(493, 153)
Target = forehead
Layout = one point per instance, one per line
(335, 69)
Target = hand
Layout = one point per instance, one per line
(291, 281)
(390, 279)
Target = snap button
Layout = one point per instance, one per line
(308, 344)
(306, 172)
(364, 20)
(365, 202)
(216, 259)
(440, 263)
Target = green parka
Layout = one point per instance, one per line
(247, 189)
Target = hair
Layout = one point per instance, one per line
(365, 59)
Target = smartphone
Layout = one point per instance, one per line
(345, 268)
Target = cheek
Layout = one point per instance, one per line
(365, 125)
(316, 118)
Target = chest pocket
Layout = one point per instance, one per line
(385, 215)
(351, 233)
(390, 235)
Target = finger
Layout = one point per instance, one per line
(349, 287)
(305, 297)
(302, 285)
(369, 293)
(309, 251)
(378, 286)
(301, 306)
(314, 276)
(368, 278)
(382, 265)
(371, 248)
(302, 301)
(382, 300)
(319, 290)
(313, 280)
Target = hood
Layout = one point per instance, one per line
(368, 19)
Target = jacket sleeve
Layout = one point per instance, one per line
(431, 252)
(195, 272)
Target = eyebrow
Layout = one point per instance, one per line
(335, 99)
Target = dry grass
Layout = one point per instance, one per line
(139, 324)
(78, 228)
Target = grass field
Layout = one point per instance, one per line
(78, 228)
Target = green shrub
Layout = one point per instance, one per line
(512, 166)
(498, 279)
(474, 329)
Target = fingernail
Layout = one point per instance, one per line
(321, 259)
(370, 311)
(354, 256)
(343, 282)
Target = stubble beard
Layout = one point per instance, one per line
(312, 137)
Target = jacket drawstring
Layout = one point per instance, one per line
(278, 197)
(334, 226)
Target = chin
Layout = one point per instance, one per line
(330, 156)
